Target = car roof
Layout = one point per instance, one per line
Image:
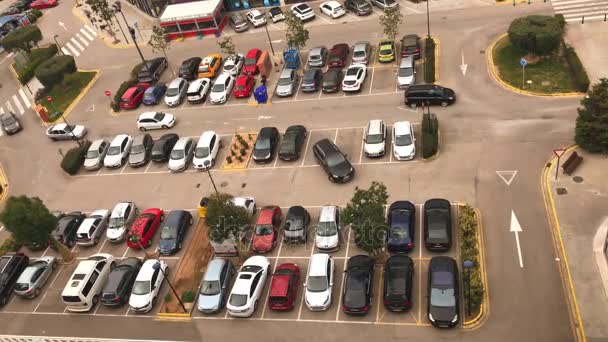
(286, 72)
(360, 261)
(265, 216)
(148, 115)
(174, 217)
(328, 213)
(437, 203)
(316, 50)
(242, 79)
(205, 138)
(58, 126)
(197, 83)
(280, 282)
(360, 46)
(251, 53)
(402, 127)
(406, 62)
(95, 144)
(175, 83)
(255, 12)
(119, 139)
(318, 265)
(120, 208)
(139, 139)
(410, 38)
(181, 143)
(443, 263)
(266, 131)
(129, 92)
(374, 126)
(146, 270)
(214, 269)
(222, 78)
(310, 73)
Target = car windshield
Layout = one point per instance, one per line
(240, 87)
(8, 119)
(114, 150)
(359, 53)
(334, 58)
(285, 81)
(141, 287)
(443, 298)
(116, 222)
(238, 299)
(68, 128)
(263, 229)
(374, 138)
(389, 2)
(315, 57)
(262, 144)
(218, 87)
(250, 61)
(137, 149)
(406, 72)
(92, 154)
(327, 229)
(172, 91)
(258, 17)
(400, 232)
(201, 152)
(352, 71)
(177, 154)
(386, 50)
(403, 140)
(436, 219)
(159, 116)
(228, 66)
(210, 288)
(317, 284)
(203, 68)
(334, 159)
(168, 233)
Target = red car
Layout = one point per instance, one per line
(250, 66)
(284, 287)
(40, 4)
(133, 96)
(144, 227)
(338, 55)
(244, 86)
(266, 229)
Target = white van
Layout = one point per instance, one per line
(81, 293)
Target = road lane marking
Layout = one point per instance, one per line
(93, 32)
(18, 104)
(73, 40)
(84, 41)
(86, 34)
(24, 97)
(72, 49)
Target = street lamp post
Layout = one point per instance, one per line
(58, 47)
(157, 266)
(269, 41)
(207, 164)
(428, 20)
(118, 7)
(120, 27)
(468, 264)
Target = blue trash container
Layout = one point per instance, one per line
(261, 94)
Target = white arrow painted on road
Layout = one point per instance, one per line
(263, 117)
(463, 65)
(276, 41)
(516, 228)
(63, 25)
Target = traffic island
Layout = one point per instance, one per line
(430, 136)
(239, 153)
(64, 96)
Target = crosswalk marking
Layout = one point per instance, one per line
(93, 32)
(84, 41)
(9, 107)
(18, 104)
(1, 110)
(73, 40)
(72, 49)
(84, 32)
(65, 51)
(576, 10)
(24, 98)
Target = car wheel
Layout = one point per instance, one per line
(413, 105)
(95, 300)
(444, 103)
(54, 265)
(36, 292)
(143, 129)
(165, 127)
(112, 265)
(255, 306)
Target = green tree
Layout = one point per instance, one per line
(226, 46)
(22, 38)
(104, 13)
(225, 220)
(28, 220)
(591, 131)
(296, 34)
(365, 215)
(390, 21)
(539, 34)
(159, 42)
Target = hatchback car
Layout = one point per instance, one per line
(437, 224)
(121, 219)
(292, 143)
(406, 76)
(244, 86)
(188, 69)
(250, 66)
(181, 154)
(210, 66)
(118, 151)
(163, 146)
(118, 288)
(214, 286)
(284, 287)
(12, 266)
(143, 228)
(410, 46)
(67, 226)
(359, 7)
(332, 79)
(91, 228)
(265, 145)
(266, 229)
(317, 56)
(276, 14)
(256, 18)
(205, 152)
(93, 160)
(141, 150)
(154, 94)
(64, 131)
(174, 231)
(303, 12)
(151, 72)
(238, 23)
(386, 51)
(155, 120)
(361, 52)
(247, 289)
(311, 81)
(442, 292)
(338, 55)
(358, 282)
(10, 123)
(147, 285)
(329, 230)
(332, 9)
(429, 94)
(295, 228)
(334, 162)
(404, 147)
(401, 221)
(374, 139)
(233, 64)
(222, 87)
(385, 4)
(32, 279)
(42, 4)
(176, 91)
(319, 282)
(398, 282)
(133, 96)
(198, 90)
(354, 77)
(288, 83)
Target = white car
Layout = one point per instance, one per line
(256, 18)
(327, 233)
(63, 131)
(221, 89)
(319, 282)
(404, 147)
(233, 64)
(333, 9)
(90, 229)
(118, 151)
(147, 285)
(303, 12)
(206, 150)
(276, 14)
(245, 202)
(247, 288)
(155, 120)
(176, 91)
(181, 154)
(406, 76)
(354, 77)
(198, 90)
(374, 140)
(123, 215)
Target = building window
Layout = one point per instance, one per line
(171, 29)
(187, 27)
(203, 25)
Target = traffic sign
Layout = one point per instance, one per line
(49, 98)
(523, 62)
(559, 152)
(108, 93)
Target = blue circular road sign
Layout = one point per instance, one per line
(523, 62)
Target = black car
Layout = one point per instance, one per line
(410, 46)
(292, 143)
(10, 123)
(265, 144)
(295, 228)
(173, 232)
(332, 80)
(189, 68)
(398, 282)
(442, 292)
(151, 72)
(66, 229)
(120, 281)
(163, 146)
(359, 7)
(357, 291)
(333, 161)
(429, 94)
(437, 225)
(311, 81)
(140, 151)
(401, 221)
(11, 266)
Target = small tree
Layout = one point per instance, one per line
(22, 38)
(390, 21)
(538, 34)
(103, 12)
(592, 122)
(365, 215)
(227, 46)
(296, 34)
(159, 42)
(225, 220)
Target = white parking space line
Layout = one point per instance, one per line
(93, 32)
(86, 34)
(124, 167)
(98, 171)
(9, 106)
(128, 309)
(24, 97)
(147, 167)
(371, 83)
(45, 251)
(362, 146)
(322, 17)
(84, 41)
(72, 49)
(336, 135)
(18, 104)
(102, 245)
(73, 40)
(125, 253)
(306, 148)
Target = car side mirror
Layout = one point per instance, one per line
(304, 284)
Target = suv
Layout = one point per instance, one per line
(151, 73)
(338, 55)
(429, 94)
(410, 46)
(284, 287)
(11, 266)
(327, 235)
(374, 140)
(333, 161)
(66, 229)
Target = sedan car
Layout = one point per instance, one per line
(151, 72)
(283, 291)
(250, 66)
(11, 267)
(181, 154)
(442, 292)
(276, 14)
(205, 152)
(406, 76)
(437, 224)
(233, 64)
(141, 150)
(244, 86)
(359, 7)
(332, 9)
(265, 145)
(214, 286)
(32, 279)
(410, 46)
(163, 146)
(303, 12)
(118, 151)
(247, 289)
(10, 123)
(42, 4)
(143, 228)
(374, 139)
(154, 94)
(338, 55)
(288, 83)
(238, 23)
(119, 285)
(361, 52)
(247, 203)
(256, 18)
(134, 96)
(317, 56)
(403, 140)
(189, 68)
(155, 120)
(176, 92)
(147, 285)
(198, 90)
(357, 290)
(401, 221)
(174, 231)
(386, 50)
(332, 79)
(222, 87)
(93, 160)
(291, 145)
(355, 75)
(398, 282)
(319, 282)
(385, 4)
(295, 228)
(334, 162)
(121, 218)
(91, 228)
(311, 81)
(266, 229)
(62, 131)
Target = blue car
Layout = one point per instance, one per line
(153, 94)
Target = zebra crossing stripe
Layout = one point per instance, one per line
(9, 107)
(84, 41)
(1, 110)
(73, 40)
(72, 49)
(84, 32)
(65, 51)
(24, 98)
(18, 104)
(93, 32)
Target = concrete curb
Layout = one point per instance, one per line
(4, 181)
(83, 92)
(102, 35)
(600, 240)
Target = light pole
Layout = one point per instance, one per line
(269, 41)
(468, 264)
(157, 266)
(428, 20)
(58, 47)
(207, 164)
(118, 8)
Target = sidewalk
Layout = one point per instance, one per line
(590, 41)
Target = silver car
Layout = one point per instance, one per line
(215, 286)
(406, 76)
(62, 131)
(238, 23)
(93, 160)
(361, 52)
(141, 150)
(288, 82)
(32, 279)
(317, 56)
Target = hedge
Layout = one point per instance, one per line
(51, 72)
(469, 250)
(36, 56)
(74, 158)
(9, 245)
(429, 60)
(538, 34)
(132, 81)
(579, 75)
(430, 135)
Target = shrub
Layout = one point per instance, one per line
(188, 296)
(168, 297)
(229, 160)
(239, 158)
(51, 71)
(36, 12)
(233, 153)
(429, 60)
(538, 34)
(244, 144)
(32, 17)
(118, 94)
(576, 69)
(243, 151)
(36, 57)
(22, 38)
(469, 250)
(9, 245)
(430, 135)
(74, 158)
(560, 20)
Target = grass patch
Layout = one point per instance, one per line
(469, 250)
(35, 57)
(552, 68)
(66, 92)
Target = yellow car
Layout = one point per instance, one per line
(386, 51)
(209, 66)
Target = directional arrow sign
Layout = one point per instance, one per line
(516, 229)
(507, 176)
(63, 25)
(463, 66)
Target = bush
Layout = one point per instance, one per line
(132, 81)
(36, 12)
(469, 250)
(560, 20)
(538, 34)
(229, 160)
(430, 135)
(32, 17)
(243, 151)
(51, 71)
(579, 75)
(188, 296)
(429, 60)
(36, 57)
(9, 245)
(74, 158)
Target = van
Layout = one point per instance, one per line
(82, 291)
(429, 94)
(328, 231)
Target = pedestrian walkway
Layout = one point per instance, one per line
(17, 104)
(576, 10)
(79, 42)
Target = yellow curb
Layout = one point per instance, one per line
(173, 317)
(4, 181)
(82, 18)
(495, 75)
(436, 40)
(113, 113)
(509, 2)
(560, 250)
(83, 92)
